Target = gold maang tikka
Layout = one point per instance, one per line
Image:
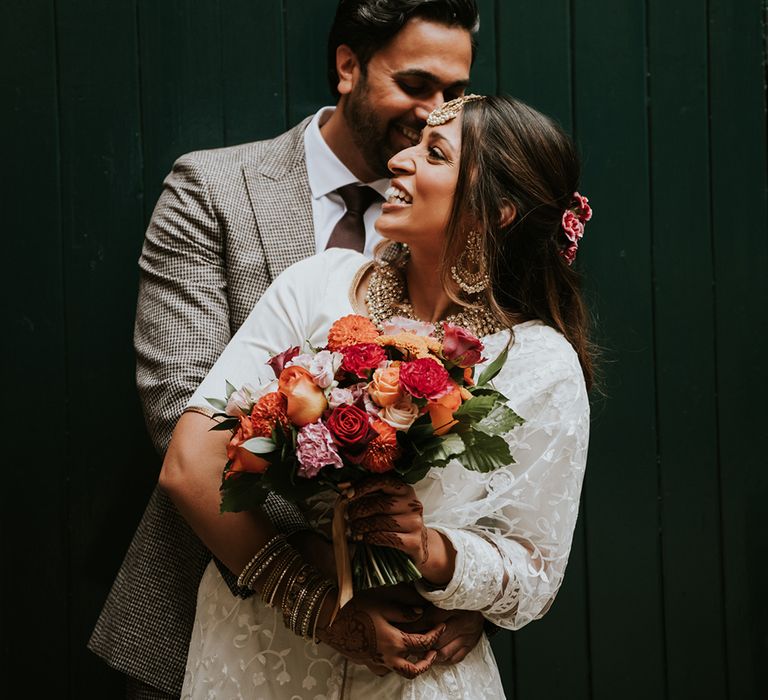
(448, 110)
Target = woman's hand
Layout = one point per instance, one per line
(386, 511)
(364, 631)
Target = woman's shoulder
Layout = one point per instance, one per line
(532, 340)
(539, 359)
(317, 271)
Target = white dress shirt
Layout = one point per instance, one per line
(326, 173)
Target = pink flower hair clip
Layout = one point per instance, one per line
(573, 222)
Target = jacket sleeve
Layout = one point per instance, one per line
(183, 319)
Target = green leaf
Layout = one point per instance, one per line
(421, 430)
(484, 452)
(259, 445)
(499, 421)
(495, 367)
(478, 407)
(446, 447)
(242, 491)
(230, 389)
(217, 403)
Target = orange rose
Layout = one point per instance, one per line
(385, 387)
(306, 400)
(441, 410)
(241, 459)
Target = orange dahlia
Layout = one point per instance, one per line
(382, 451)
(351, 330)
(268, 412)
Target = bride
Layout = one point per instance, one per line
(487, 221)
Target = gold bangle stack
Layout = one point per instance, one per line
(261, 561)
(304, 588)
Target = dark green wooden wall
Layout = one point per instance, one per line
(665, 594)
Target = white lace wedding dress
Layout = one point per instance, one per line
(511, 528)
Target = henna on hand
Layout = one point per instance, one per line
(353, 634)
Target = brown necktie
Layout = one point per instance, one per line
(349, 232)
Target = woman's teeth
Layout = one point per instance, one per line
(395, 195)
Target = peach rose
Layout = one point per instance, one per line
(441, 410)
(241, 460)
(385, 387)
(306, 400)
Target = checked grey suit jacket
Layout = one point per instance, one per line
(227, 223)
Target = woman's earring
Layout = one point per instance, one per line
(472, 282)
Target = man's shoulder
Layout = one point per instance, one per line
(288, 146)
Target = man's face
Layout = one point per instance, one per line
(386, 107)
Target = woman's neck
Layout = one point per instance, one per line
(425, 290)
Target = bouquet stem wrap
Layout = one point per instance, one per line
(341, 550)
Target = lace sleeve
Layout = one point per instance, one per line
(512, 528)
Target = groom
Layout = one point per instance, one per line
(227, 223)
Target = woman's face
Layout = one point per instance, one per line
(420, 199)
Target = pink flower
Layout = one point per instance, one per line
(324, 366)
(348, 396)
(401, 324)
(241, 402)
(569, 253)
(461, 347)
(583, 210)
(278, 362)
(573, 227)
(315, 450)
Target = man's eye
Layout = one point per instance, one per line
(413, 88)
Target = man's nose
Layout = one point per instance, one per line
(426, 106)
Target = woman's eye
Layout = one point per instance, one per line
(435, 153)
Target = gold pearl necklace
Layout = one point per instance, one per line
(386, 297)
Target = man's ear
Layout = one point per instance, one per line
(347, 68)
(507, 214)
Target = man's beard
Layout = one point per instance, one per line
(369, 136)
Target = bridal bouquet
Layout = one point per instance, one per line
(398, 401)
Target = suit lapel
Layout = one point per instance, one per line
(278, 189)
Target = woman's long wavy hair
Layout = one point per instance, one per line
(513, 155)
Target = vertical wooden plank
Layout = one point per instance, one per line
(740, 220)
(34, 534)
(535, 66)
(623, 557)
(685, 362)
(534, 56)
(112, 465)
(181, 84)
(484, 78)
(253, 70)
(306, 38)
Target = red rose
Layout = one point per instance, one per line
(360, 359)
(278, 362)
(351, 429)
(461, 347)
(424, 378)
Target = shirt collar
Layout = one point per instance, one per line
(325, 171)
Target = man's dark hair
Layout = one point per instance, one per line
(368, 25)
